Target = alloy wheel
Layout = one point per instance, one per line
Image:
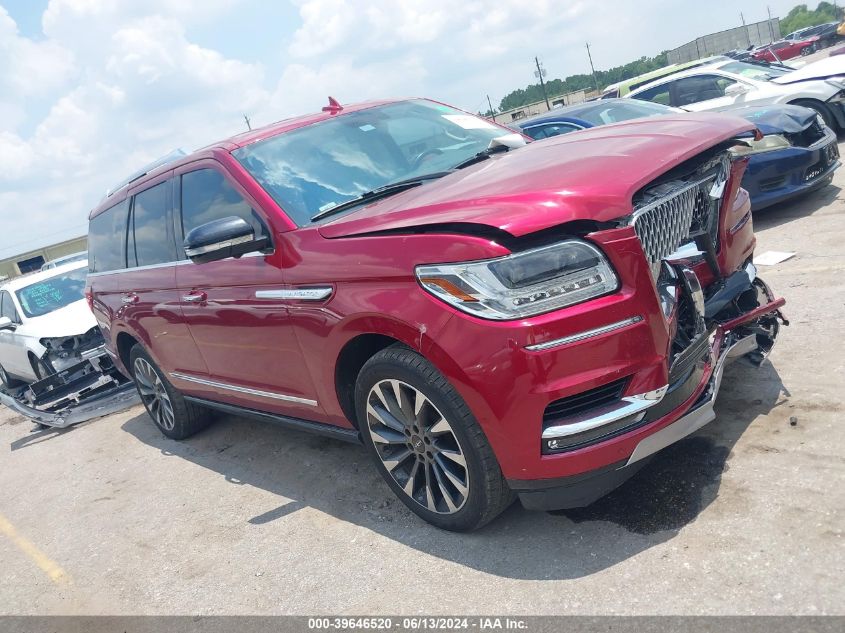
(153, 394)
(418, 447)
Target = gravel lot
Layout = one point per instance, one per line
(745, 517)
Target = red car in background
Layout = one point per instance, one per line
(786, 49)
(489, 319)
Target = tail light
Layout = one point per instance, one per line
(89, 297)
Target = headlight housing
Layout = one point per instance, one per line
(523, 284)
(768, 143)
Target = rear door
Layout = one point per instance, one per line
(149, 300)
(235, 308)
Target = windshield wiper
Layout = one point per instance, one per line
(482, 155)
(380, 192)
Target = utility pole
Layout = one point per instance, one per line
(248, 125)
(593, 70)
(771, 30)
(745, 28)
(492, 111)
(540, 73)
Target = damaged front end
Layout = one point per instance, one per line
(77, 381)
(696, 230)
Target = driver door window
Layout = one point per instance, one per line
(7, 307)
(691, 90)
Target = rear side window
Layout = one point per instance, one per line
(206, 196)
(107, 239)
(658, 94)
(150, 241)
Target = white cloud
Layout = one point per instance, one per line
(112, 84)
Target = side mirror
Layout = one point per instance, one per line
(734, 90)
(7, 324)
(219, 239)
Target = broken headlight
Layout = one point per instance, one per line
(523, 284)
(768, 143)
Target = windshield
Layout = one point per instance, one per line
(51, 294)
(753, 71)
(602, 114)
(317, 167)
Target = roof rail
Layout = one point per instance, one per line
(170, 157)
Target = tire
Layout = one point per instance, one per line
(420, 438)
(174, 416)
(808, 50)
(7, 381)
(819, 107)
(40, 367)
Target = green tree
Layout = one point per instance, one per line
(801, 17)
(534, 93)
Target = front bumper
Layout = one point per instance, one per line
(581, 490)
(685, 409)
(773, 177)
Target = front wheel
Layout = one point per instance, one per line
(807, 50)
(427, 444)
(174, 416)
(820, 108)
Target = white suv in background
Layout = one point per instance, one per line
(727, 84)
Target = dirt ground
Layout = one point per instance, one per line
(744, 517)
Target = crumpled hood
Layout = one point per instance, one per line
(776, 119)
(822, 69)
(587, 175)
(72, 320)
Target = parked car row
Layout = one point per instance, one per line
(491, 319)
(797, 153)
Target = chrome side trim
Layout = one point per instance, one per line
(627, 406)
(132, 269)
(301, 294)
(574, 338)
(216, 246)
(246, 390)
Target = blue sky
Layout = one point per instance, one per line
(92, 89)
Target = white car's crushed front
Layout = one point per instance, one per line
(52, 353)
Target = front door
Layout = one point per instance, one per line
(235, 310)
(13, 355)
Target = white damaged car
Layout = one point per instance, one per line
(52, 354)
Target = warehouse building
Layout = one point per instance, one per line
(30, 261)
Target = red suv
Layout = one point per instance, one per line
(489, 319)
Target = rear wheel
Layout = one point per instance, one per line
(427, 444)
(172, 413)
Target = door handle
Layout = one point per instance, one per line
(130, 298)
(195, 297)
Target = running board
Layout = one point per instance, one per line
(326, 430)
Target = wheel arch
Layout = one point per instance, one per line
(125, 342)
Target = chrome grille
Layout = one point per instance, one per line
(674, 211)
(664, 225)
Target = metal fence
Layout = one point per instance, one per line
(755, 34)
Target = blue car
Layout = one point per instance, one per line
(797, 153)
